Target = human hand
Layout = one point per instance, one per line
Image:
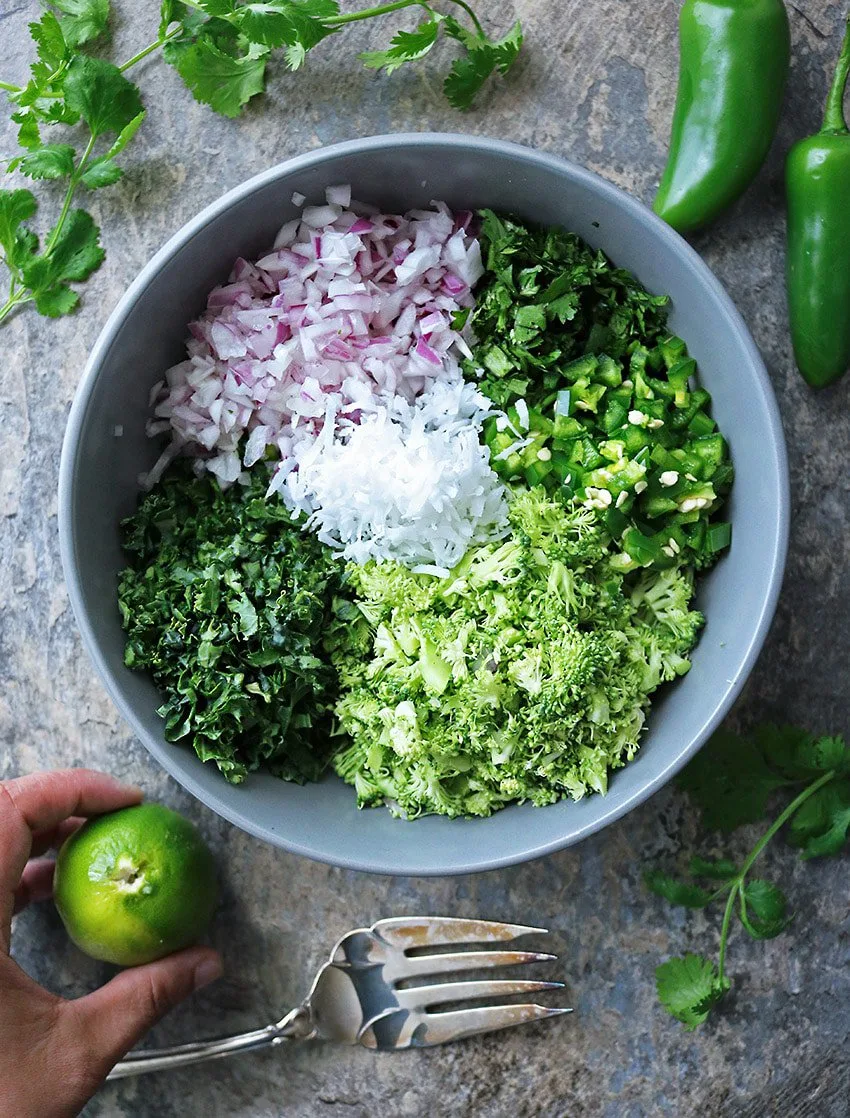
(54, 1054)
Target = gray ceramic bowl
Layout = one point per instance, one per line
(144, 335)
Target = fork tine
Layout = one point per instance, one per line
(406, 932)
(420, 1030)
(416, 997)
(447, 963)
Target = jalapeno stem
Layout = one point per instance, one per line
(834, 119)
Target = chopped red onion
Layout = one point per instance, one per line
(349, 309)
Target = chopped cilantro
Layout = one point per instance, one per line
(537, 280)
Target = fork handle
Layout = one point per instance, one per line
(292, 1027)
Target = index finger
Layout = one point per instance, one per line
(41, 801)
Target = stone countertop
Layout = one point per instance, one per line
(596, 83)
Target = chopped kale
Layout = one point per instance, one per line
(224, 602)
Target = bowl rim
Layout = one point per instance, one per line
(162, 751)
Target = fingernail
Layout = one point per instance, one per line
(207, 971)
(133, 789)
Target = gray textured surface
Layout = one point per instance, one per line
(597, 84)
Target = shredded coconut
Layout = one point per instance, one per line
(410, 482)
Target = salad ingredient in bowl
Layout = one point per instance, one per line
(224, 604)
(523, 675)
(464, 505)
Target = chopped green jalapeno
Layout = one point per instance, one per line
(613, 414)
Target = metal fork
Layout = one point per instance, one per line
(356, 997)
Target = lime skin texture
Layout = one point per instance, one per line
(135, 885)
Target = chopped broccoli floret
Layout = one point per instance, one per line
(523, 675)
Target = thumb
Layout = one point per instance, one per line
(114, 1018)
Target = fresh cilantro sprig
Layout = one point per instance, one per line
(731, 781)
(65, 87)
(221, 49)
(482, 57)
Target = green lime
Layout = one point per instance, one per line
(135, 885)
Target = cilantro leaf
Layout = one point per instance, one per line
(676, 892)
(50, 43)
(799, 755)
(471, 40)
(102, 172)
(717, 869)
(483, 58)
(218, 8)
(508, 47)
(170, 11)
(50, 161)
(222, 80)
(278, 23)
(405, 46)
(819, 827)
(729, 781)
(105, 171)
(77, 251)
(175, 11)
(17, 242)
(295, 55)
(42, 98)
(74, 255)
(781, 745)
(830, 753)
(82, 20)
(529, 321)
(16, 206)
(467, 77)
(29, 135)
(764, 909)
(102, 96)
(689, 988)
(308, 18)
(125, 135)
(55, 301)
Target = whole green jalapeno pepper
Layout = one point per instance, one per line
(734, 62)
(818, 261)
